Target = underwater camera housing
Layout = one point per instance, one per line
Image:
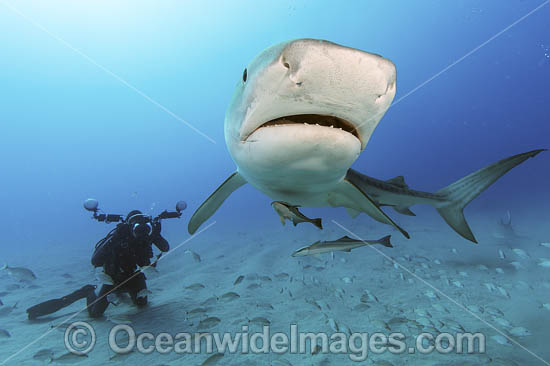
(92, 205)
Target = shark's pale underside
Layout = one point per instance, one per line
(302, 113)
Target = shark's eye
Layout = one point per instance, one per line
(244, 75)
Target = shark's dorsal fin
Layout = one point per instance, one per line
(398, 181)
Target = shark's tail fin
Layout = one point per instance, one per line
(463, 191)
(385, 241)
(317, 222)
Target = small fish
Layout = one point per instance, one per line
(281, 276)
(475, 309)
(197, 312)
(521, 253)
(517, 265)
(501, 254)
(119, 319)
(230, 296)
(503, 292)
(149, 271)
(253, 286)
(333, 325)
(69, 358)
(503, 322)
(432, 295)
(458, 284)
(347, 280)
(4, 334)
(260, 321)
(120, 356)
(379, 324)
(501, 340)
(195, 286)
(289, 212)
(209, 323)
(20, 273)
(44, 354)
(212, 360)
(196, 257)
(210, 301)
(546, 245)
(266, 306)
(6, 310)
(520, 332)
(544, 262)
(345, 244)
(491, 310)
(280, 362)
(361, 307)
(238, 280)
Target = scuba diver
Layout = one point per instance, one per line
(121, 253)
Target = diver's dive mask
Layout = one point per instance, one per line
(140, 225)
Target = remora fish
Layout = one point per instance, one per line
(20, 273)
(345, 244)
(302, 113)
(292, 213)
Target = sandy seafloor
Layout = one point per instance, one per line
(226, 254)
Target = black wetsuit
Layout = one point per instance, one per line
(119, 254)
(120, 257)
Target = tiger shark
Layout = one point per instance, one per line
(302, 113)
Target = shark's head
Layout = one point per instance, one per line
(308, 106)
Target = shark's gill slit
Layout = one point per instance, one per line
(314, 119)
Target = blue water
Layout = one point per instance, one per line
(73, 125)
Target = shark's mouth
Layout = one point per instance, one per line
(314, 120)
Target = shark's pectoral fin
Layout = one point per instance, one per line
(214, 202)
(349, 195)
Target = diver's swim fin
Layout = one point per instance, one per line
(463, 191)
(212, 203)
(51, 306)
(349, 195)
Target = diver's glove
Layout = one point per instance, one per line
(156, 229)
